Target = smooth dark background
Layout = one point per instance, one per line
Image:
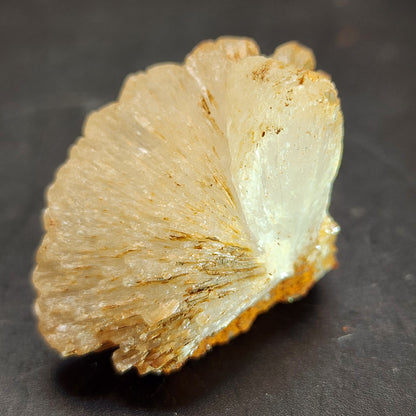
(346, 349)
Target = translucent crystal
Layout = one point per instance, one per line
(190, 205)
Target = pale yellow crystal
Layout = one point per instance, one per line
(190, 205)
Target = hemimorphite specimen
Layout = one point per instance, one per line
(193, 203)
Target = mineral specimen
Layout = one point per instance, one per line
(192, 204)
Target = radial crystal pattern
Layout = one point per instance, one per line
(190, 205)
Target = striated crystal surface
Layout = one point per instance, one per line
(191, 204)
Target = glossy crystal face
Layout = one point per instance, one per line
(187, 201)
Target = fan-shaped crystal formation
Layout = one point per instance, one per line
(190, 205)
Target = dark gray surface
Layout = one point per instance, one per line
(61, 59)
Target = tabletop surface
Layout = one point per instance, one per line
(349, 347)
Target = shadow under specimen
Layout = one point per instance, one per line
(93, 376)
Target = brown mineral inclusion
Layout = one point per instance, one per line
(190, 205)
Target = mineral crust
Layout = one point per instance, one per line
(190, 205)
